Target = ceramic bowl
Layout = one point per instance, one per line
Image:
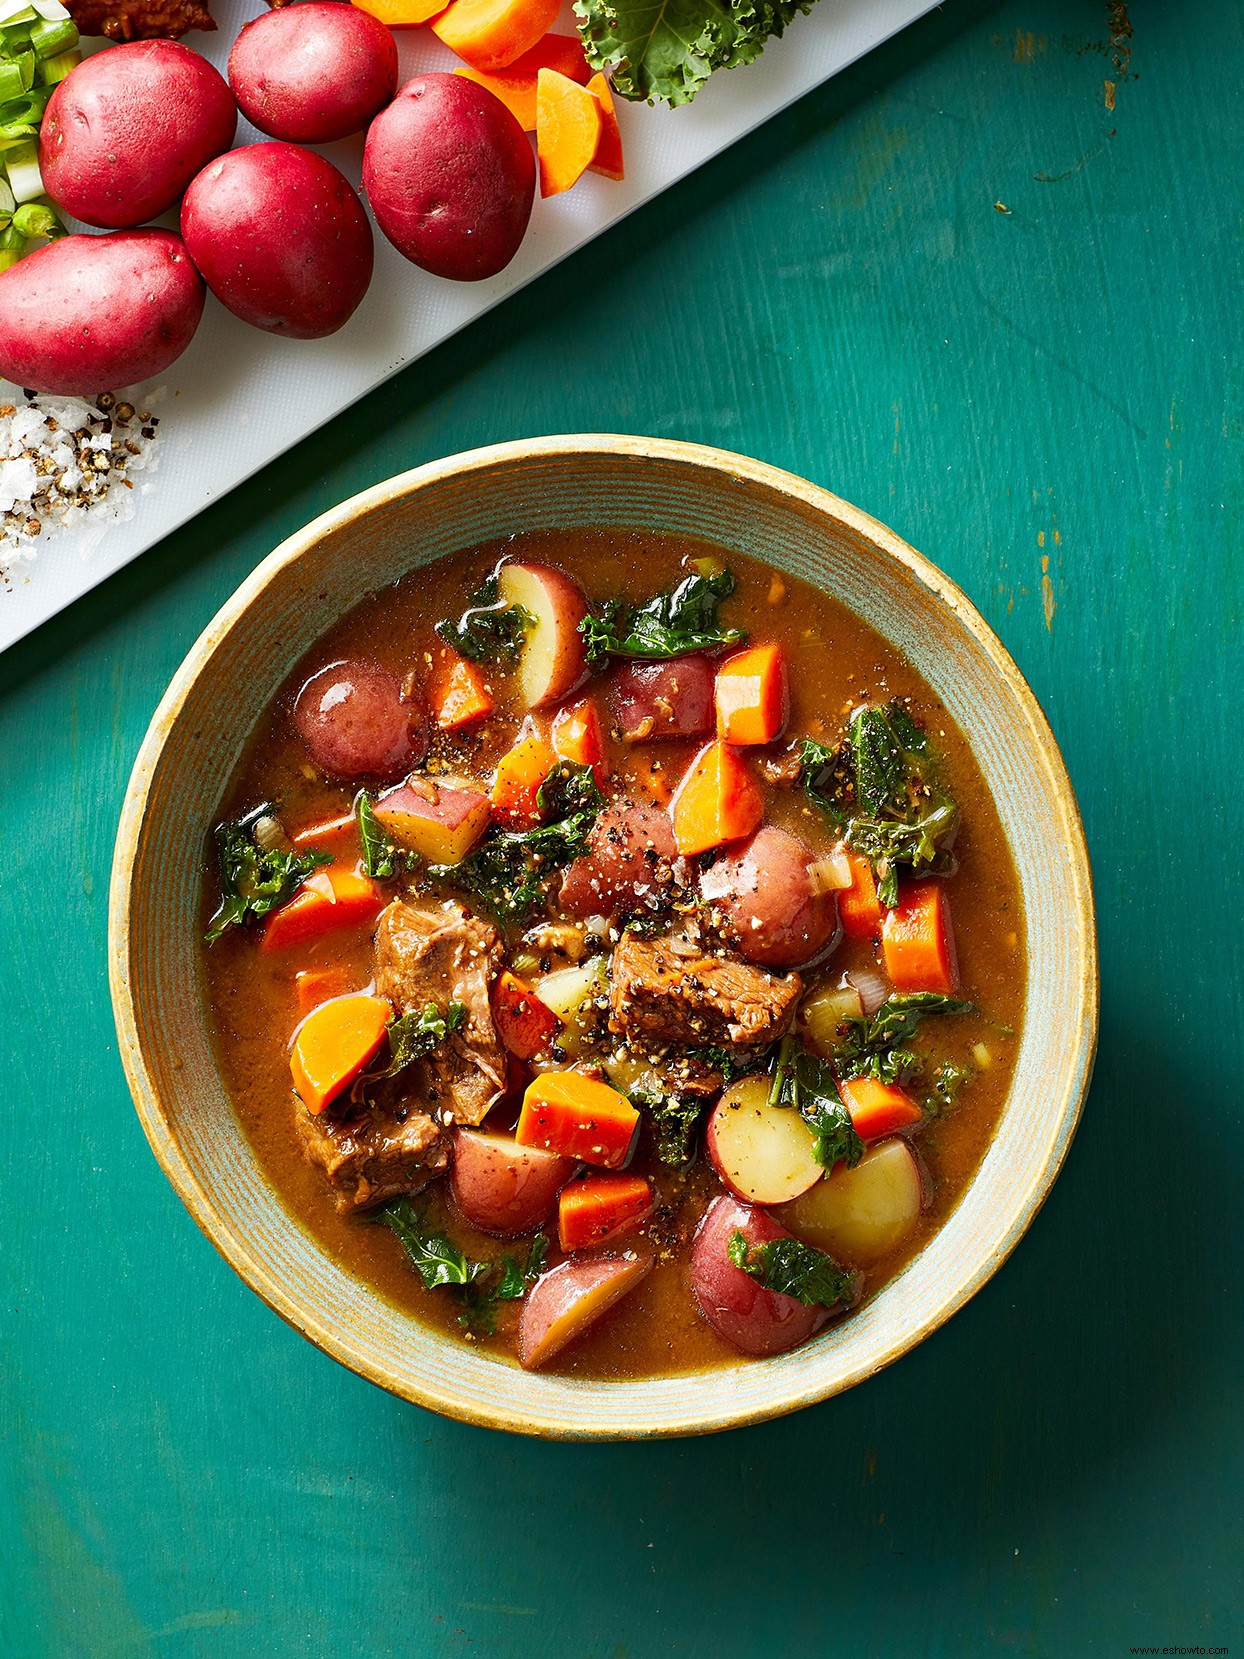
(224, 685)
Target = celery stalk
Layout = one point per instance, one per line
(25, 179)
(37, 219)
(51, 71)
(10, 82)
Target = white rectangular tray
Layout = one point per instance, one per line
(239, 397)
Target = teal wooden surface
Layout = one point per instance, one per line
(1060, 1470)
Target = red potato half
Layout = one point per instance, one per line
(502, 1187)
(126, 131)
(281, 239)
(554, 657)
(861, 1214)
(87, 314)
(355, 724)
(766, 893)
(438, 822)
(313, 72)
(755, 1320)
(562, 1304)
(672, 699)
(628, 845)
(763, 1153)
(451, 177)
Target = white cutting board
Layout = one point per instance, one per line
(239, 397)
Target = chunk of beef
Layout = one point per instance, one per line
(374, 1153)
(671, 991)
(140, 19)
(436, 952)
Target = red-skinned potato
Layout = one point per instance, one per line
(664, 699)
(554, 656)
(438, 821)
(126, 131)
(87, 313)
(861, 1214)
(355, 724)
(627, 848)
(450, 176)
(280, 238)
(561, 1305)
(501, 1187)
(766, 893)
(313, 72)
(754, 1320)
(763, 1153)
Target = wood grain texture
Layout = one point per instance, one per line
(1059, 1471)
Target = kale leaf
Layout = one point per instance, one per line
(515, 1279)
(804, 1081)
(668, 48)
(669, 625)
(675, 1118)
(793, 1269)
(874, 1045)
(414, 1036)
(255, 879)
(949, 1080)
(382, 858)
(437, 1260)
(488, 630)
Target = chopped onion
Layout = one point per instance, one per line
(270, 836)
(821, 1013)
(831, 874)
(982, 1056)
(872, 985)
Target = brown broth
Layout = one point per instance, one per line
(836, 662)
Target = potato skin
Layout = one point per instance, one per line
(88, 314)
(450, 176)
(763, 889)
(313, 72)
(126, 131)
(280, 238)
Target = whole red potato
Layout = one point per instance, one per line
(450, 176)
(126, 131)
(313, 72)
(281, 239)
(87, 314)
(765, 892)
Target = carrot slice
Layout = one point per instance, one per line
(460, 694)
(333, 1044)
(518, 777)
(918, 943)
(601, 1208)
(401, 14)
(859, 908)
(608, 157)
(493, 34)
(330, 899)
(577, 736)
(330, 835)
(718, 800)
(566, 1112)
(524, 1024)
(568, 121)
(516, 86)
(878, 1109)
(752, 696)
(319, 985)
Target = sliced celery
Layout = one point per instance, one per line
(10, 82)
(48, 38)
(37, 219)
(12, 247)
(25, 179)
(13, 16)
(53, 70)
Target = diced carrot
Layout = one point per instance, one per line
(577, 736)
(878, 1109)
(718, 800)
(600, 1208)
(608, 157)
(516, 86)
(569, 1113)
(333, 1044)
(317, 985)
(520, 772)
(401, 14)
(917, 941)
(330, 899)
(331, 835)
(568, 122)
(524, 1024)
(859, 908)
(753, 699)
(460, 693)
(493, 34)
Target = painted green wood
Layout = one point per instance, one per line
(1059, 1471)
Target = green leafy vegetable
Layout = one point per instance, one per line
(804, 1081)
(413, 1036)
(731, 1064)
(515, 1279)
(382, 857)
(667, 49)
(488, 630)
(255, 879)
(668, 625)
(509, 870)
(793, 1269)
(883, 791)
(874, 1045)
(36, 53)
(675, 1118)
(949, 1080)
(478, 1285)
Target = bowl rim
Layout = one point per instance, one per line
(235, 1247)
